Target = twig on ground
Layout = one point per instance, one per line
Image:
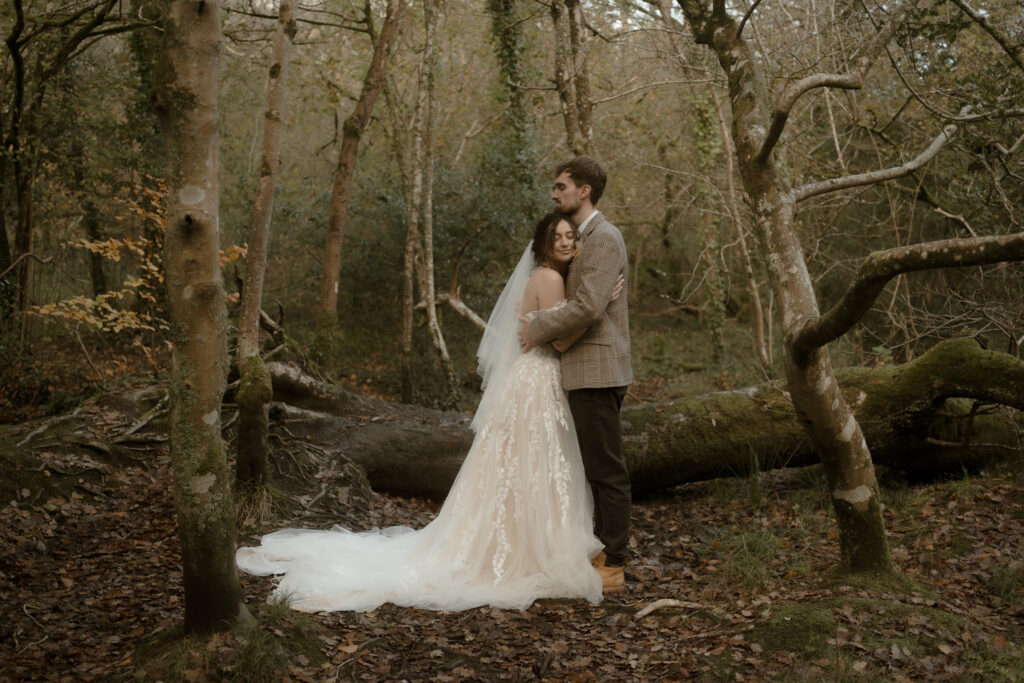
(670, 602)
(146, 418)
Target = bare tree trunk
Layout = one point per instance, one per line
(571, 78)
(186, 103)
(713, 288)
(255, 391)
(14, 147)
(584, 107)
(820, 405)
(763, 343)
(431, 18)
(412, 150)
(352, 132)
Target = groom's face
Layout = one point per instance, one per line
(566, 194)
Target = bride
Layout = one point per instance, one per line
(517, 523)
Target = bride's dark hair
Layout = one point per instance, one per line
(544, 235)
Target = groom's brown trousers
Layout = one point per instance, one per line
(596, 414)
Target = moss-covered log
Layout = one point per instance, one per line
(913, 418)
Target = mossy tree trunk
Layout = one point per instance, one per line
(352, 132)
(186, 104)
(917, 417)
(255, 392)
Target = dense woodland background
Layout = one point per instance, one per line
(83, 164)
(712, 121)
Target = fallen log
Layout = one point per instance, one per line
(922, 416)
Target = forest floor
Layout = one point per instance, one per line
(731, 580)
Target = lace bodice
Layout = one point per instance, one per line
(517, 524)
(545, 350)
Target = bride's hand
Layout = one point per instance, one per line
(619, 284)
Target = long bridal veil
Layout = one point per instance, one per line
(516, 525)
(499, 347)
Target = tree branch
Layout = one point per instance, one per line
(746, 18)
(872, 177)
(849, 81)
(459, 306)
(1013, 48)
(22, 258)
(789, 97)
(880, 267)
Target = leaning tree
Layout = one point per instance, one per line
(759, 118)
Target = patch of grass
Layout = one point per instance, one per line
(255, 508)
(747, 556)
(1007, 581)
(809, 488)
(986, 665)
(965, 488)
(899, 497)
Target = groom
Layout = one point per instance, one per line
(595, 370)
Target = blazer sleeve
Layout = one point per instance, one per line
(598, 265)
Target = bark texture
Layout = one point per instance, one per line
(821, 406)
(256, 392)
(352, 132)
(571, 77)
(918, 418)
(186, 103)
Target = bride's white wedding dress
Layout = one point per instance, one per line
(516, 525)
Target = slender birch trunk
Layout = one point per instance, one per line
(431, 19)
(763, 344)
(186, 103)
(352, 132)
(412, 151)
(255, 391)
(571, 78)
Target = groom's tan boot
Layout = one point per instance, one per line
(598, 560)
(613, 579)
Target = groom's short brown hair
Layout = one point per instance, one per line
(585, 171)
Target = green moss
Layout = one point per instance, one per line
(806, 628)
(802, 627)
(256, 387)
(261, 650)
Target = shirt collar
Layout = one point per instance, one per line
(585, 223)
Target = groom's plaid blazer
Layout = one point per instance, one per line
(601, 357)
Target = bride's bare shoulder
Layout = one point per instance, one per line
(545, 277)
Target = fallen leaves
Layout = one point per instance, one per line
(87, 575)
